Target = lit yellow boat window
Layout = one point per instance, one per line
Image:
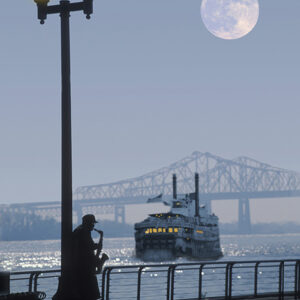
(170, 229)
(159, 229)
(175, 229)
(150, 230)
(199, 231)
(154, 230)
(147, 231)
(164, 229)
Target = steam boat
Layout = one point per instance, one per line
(187, 230)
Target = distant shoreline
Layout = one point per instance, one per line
(262, 228)
(225, 235)
(50, 230)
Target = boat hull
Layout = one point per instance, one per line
(168, 249)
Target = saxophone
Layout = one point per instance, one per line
(100, 260)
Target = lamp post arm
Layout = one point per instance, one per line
(43, 9)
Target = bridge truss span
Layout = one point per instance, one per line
(242, 178)
(218, 178)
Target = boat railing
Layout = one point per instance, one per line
(195, 280)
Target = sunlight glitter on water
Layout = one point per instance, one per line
(43, 255)
(32, 255)
(36, 260)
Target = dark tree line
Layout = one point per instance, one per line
(262, 228)
(20, 226)
(114, 229)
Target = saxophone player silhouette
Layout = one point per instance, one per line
(87, 263)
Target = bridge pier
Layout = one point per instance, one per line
(77, 209)
(120, 214)
(244, 216)
(208, 206)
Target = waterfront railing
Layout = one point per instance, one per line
(184, 281)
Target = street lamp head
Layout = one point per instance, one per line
(42, 9)
(41, 2)
(88, 8)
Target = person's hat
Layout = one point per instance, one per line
(89, 219)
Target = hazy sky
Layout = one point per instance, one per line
(150, 85)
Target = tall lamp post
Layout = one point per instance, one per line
(64, 8)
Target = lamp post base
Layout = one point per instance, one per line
(65, 292)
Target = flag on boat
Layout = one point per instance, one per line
(155, 199)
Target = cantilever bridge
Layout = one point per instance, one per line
(219, 179)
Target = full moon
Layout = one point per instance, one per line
(229, 19)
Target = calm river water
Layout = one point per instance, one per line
(34, 255)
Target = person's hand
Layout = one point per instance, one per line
(104, 257)
(101, 262)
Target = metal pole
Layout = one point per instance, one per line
(138, 296)
(174, 187)
(196, 195)
(65, 290)
(66, 159)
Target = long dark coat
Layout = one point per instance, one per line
(84, 264)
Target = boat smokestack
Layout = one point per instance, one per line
(174, 187)
(196, 195)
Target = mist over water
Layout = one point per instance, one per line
(32, 255)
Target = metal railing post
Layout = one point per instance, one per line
(168, 282)
(138, 296)
(256, 279)
(282, 283)
(172, 281)
(30, 282)
(103, 283)
(281, 279)
(226, 281)
(107, 283)
(297, 279)
(200, 282)
(35, 284)
(230, 280)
